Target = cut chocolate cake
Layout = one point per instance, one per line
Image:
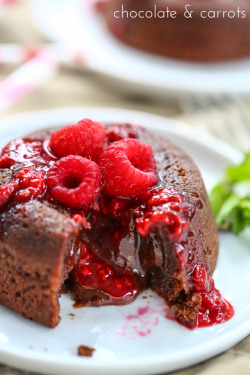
(144, 218)
(198, 30)
(35, 248)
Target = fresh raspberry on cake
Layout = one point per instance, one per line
(128, 167)
(74, 181)
(117, 132)
(86, 139)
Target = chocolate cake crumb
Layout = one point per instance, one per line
(63, 290)
(85, 351)
(5, 176)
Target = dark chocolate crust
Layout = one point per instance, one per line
(197, 39)
(179, 171)
(36, 240)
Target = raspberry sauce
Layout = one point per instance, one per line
(26, 162)
(92, 275)
(215, 309)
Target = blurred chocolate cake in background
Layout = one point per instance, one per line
(197, 30)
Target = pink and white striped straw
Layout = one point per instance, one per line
(11, 54)
(18, 53)
(25, 79)
(43, 65)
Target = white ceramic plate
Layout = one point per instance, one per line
(75, 22)
(147, 343)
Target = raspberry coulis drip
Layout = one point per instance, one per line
(100, 272)
(215, 309)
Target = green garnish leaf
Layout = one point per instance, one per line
(230, 200)
(241, 215)
(240, 172)
(219, 195)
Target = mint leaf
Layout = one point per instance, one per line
(218, 196)
(241, 215)
(233, 212)
(230, 200)
(240, 172)
(226, 215)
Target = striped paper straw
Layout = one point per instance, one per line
(27, 78)
(19, 54)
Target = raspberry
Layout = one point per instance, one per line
(128, 167)
(74, 181)
(117, 132)
(86, 139)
